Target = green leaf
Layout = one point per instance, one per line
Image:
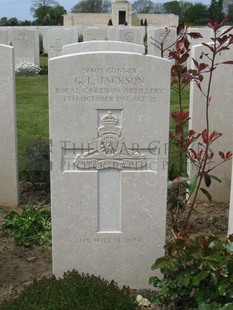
(204, 306)
(206, 193)
(193, 184)
(222, 289)
(199, 277)
(160, 262)
(229, 247)
(215, 178)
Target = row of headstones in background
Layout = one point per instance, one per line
(108, 219)
(91, 46)
(59, 37)
(25, 43)
(155, 34)
(8, 144)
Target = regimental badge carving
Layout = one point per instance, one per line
(110, 149)
(129, 37)
(22, 37)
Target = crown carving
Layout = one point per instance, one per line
(109, 122)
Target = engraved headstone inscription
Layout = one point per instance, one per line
(109, 120)
(8, 147)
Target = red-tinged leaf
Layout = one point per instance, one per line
(224, 21)
(194, 153)
(195, 35)
(229, 62)
(208, 46)
(210, 155)
(195, 63)
(222, 40)
(180, 29)
(209, 99)
(191, 133)
(223, 48)
(211, 24)
(205, 137)
(213, 135)
(199, 85)
(228, 30)
(221, 154)
(206, 193)
(207, 179)
(228, 154)
(202, 66)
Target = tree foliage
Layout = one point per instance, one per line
(13, 21)
(216, 10)
(143, 6)
(42, 3)
(197, 14)
(92, 6)
(172, 7)
(47, 12)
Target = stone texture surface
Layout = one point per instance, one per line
(91, 46)
(221, 114)
(8, 149)
(58, 37)
(83, 88)
(156, 36)
(131, 34)
(26, 45)
(94, 33)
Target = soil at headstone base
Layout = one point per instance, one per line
(20, 265)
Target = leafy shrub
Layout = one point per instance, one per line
(198, 273)
(36, 166)
(74, 291)
(27, 68)
(32, 226)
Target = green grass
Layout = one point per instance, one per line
(32, 111)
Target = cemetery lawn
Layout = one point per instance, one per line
(32, 112)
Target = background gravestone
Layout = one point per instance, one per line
(109, 122)
(221, 115)
(91, 46)
(94, 33)
(159, 35)
(58, 37)
(26, 44)
(8, 148)
(131, 34)
(3, 37)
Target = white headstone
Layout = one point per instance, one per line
(26, 44)
(56, 39)
(109, 203)
(3, 37)
(221, 115)
(8, 148)
(91, 46)
(156, 36)
(131, 34)
(94, 33)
